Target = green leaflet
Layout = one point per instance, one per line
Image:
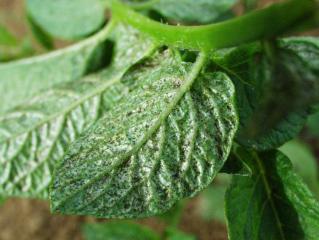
(10, 47)
(307, 48)
(2, 200)
(118, 231)
(211, 205)
(173, 216)
(187, 11)
(313, 125)
(190, 11)
(174, 234)
(67, 19)
(250, 5)
(22, 79)
(165, 141)
(269, 93)
(35, 135)
(234, 166)
(304, 162)
(7, 38)
(272, 204)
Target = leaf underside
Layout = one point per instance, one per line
(161, 143)
(35, 135)
(272, 204)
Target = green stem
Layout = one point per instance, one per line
(257, 25)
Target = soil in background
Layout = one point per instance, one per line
(22, 219)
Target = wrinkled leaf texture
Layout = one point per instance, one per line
(165, 141)
(35, 135)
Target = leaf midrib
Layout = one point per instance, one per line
(269, 195)
(67, 109)
(200, 62)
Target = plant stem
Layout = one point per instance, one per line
(260, 24)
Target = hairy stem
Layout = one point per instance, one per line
(260, 24)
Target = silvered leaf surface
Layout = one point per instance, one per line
(165, 141)
(36, 134)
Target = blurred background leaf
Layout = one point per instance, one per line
(42, 37)
(190, 11)
(304, 163)
(186, 11)
(11, 48)
(2, 200)
(118, 230)
(174, 234)
(7, 38)
(313, 124)
(211, 201)
(67, 19)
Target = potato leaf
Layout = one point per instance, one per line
(274, 197)
(118, 231)
(211, 202)
(35, 135)
(165, 141)
(67, 19)
(190, 11)
(313, 125)
(304, 162)
(174, 234)
(2, 200)
(273, 96)
(7, 38)
(11, 48)
(22, 79)
(235, 166)
(250, 4)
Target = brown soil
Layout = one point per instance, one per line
(22, 219)
(31, 220)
